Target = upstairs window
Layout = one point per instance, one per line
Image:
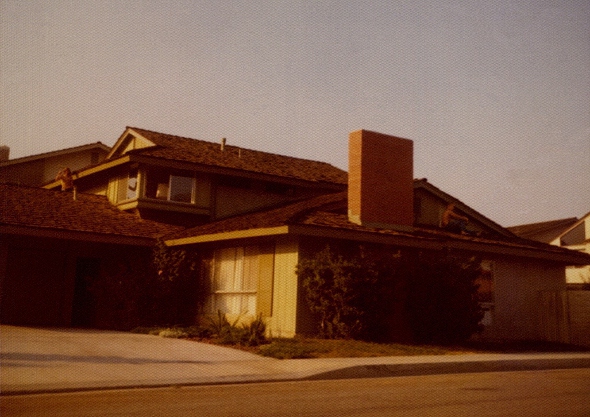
(181, 189)
(127, 187)
(178, 188)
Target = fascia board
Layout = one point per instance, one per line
(236, 234)
(573, 258)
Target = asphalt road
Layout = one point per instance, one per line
(526, 393)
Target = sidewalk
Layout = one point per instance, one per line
(36, 360)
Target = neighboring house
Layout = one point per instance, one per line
(52, 242)
(253, 215)
(571, 233)
(40, 169)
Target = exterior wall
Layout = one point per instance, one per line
(44, 170)
(428, 210)
(283, 322)
(518, 288)
(579, 317)
(233, 200)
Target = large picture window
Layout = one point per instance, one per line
(234, 280)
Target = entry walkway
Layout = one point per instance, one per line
(54, 360)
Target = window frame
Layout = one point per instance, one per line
(243, 282)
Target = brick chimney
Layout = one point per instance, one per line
(380, 180)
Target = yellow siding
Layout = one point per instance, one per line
(283, 321)
(265, 280)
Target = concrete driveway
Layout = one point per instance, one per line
(41, 359)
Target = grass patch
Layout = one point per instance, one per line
(299, 348)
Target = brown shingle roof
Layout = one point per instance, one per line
(328, 212)
(47, 209)
(543, 231)
(208, 153)
(287, 214)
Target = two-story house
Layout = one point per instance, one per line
(253, 215)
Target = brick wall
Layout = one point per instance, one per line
(380, 180)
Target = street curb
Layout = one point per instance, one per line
(351, 372)
(393, 370)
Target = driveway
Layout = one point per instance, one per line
(53, 359)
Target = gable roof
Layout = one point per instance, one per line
(544, 231)
(177, 148)
(325, 216)
(38, 211)
(98, 145)
(424, 184)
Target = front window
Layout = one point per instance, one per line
(485, 291)
(234, 280)
(179, 188)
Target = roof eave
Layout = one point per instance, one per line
(76, 235)
(486, 247)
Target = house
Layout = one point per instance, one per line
(252, 216)
(571, 233)
(253, 257)
(40, 169)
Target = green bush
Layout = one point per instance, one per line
(335, 287)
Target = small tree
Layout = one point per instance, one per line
(177, 291)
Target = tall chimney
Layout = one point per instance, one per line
(380, 180)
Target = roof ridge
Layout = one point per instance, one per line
(229, 146)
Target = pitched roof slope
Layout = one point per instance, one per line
(286, 214)
(543, 231)
(208, 153)
(47, 209)
(328, 213)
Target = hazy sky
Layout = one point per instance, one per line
(495, 94)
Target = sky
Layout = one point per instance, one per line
(495, 94)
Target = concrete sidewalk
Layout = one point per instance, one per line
(37, 360)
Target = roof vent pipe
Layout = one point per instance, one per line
(223, 141)
(4, 153)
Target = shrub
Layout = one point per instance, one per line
(230, 333)
(335, 288)
(353, 292)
